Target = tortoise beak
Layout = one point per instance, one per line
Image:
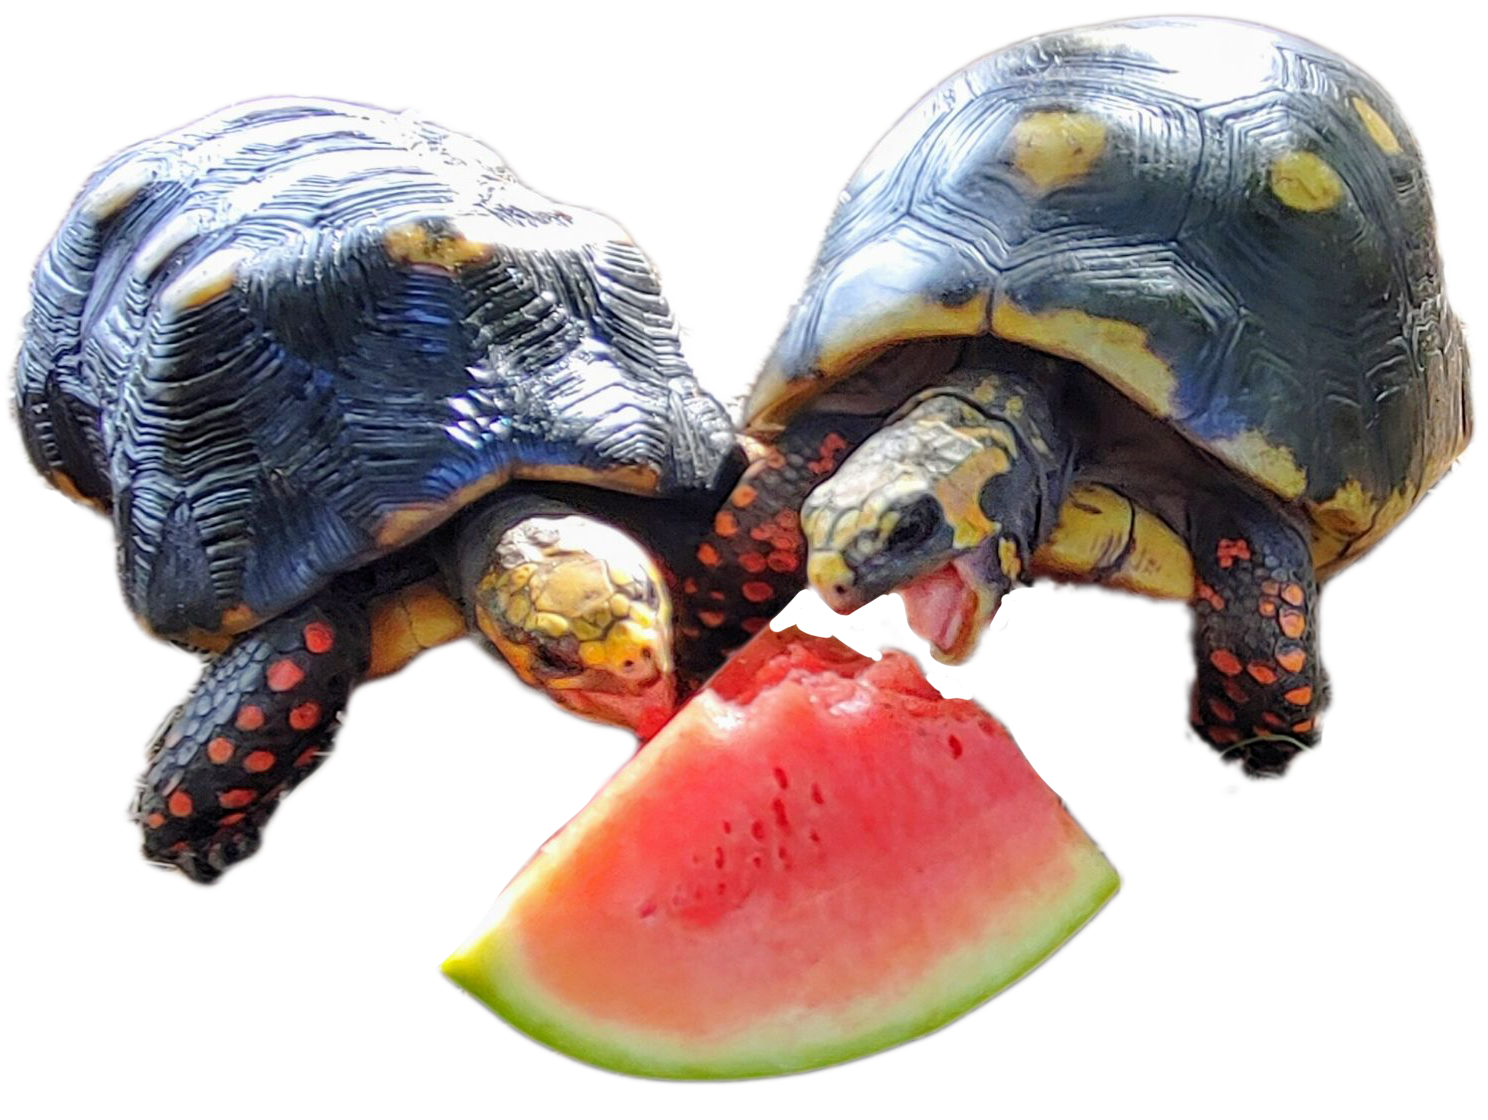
(644, 709)
(950, 608)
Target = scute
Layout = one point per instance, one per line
(294, 336)
(1207, 219)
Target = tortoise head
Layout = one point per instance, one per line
(581, 611)
(905, 513)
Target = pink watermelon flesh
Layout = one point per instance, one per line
(817, 858)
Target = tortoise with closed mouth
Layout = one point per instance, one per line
(347, 390)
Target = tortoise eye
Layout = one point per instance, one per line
(915, 527)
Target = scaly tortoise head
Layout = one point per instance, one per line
(580, 610)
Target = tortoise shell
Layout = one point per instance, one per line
(1229, 225)
(296, 335)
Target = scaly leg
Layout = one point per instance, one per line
(1260, 682)
(259, 722)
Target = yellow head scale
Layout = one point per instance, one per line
(580, 610)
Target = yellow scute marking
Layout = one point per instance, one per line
(415, 243)
(1304, 181)
(1374, 124)
(1348, 512)
(1054, 148)
(1116, 350)
(1254, 455)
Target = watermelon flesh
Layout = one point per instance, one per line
(817, 858)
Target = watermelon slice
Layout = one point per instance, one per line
(817, 858)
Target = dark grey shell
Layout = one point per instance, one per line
(293, 336)
(1245, 248)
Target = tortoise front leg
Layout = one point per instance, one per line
(1260, 681)
(258, 723)
(264, 719)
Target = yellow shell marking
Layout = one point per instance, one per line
(415, 243)
(1058, 147)
(1096, 527)
(1374, 124)
(1352, 521)
(1254, 455)
(1304, 181)
(214, 276)
(1116, 350)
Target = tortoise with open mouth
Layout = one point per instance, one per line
(1156, 304)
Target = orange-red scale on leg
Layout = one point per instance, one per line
(304, 716)
(783, 560)
(1236, 692)
(1261, 674)
(283, 675)
(1210, 596)
(1303, 727)
(1293, 623)
(250, 718)
(754, 624)
(725, 524)
(752, 562)
(236, 798)
(744, 496)
(1225, 735)
(1228, 551)
(259, 761)
(712, 619)
(1226, 662)
(155, 820)
(757, 591)
(1222, 710)
(231, 819)
(1294, 594)
(1292, 659)
(179, 804)
(220, 750)
(319, 637)
(307, 756)
(708, 555)
(1301, 697)
(1267, 607)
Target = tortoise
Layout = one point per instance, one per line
(1155, 304)
(347, 390)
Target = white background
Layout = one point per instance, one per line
(1310, 946)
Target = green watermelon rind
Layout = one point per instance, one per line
(489, 968)
(1073, 882)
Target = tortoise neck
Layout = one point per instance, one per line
(750, 561)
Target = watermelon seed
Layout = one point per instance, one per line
(718, 858)
(647, 909)
(757, 830)
(779, 807)
(722, 888)
(758, 861)
(781, 778)
(784, 856)
(815, 839)
(727, 827)
(955, 745)
(816, 793)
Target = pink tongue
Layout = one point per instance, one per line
(941, 607)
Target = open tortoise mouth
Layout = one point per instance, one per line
(950, 608)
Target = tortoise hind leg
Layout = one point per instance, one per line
(1260, 682)
(259, 722)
